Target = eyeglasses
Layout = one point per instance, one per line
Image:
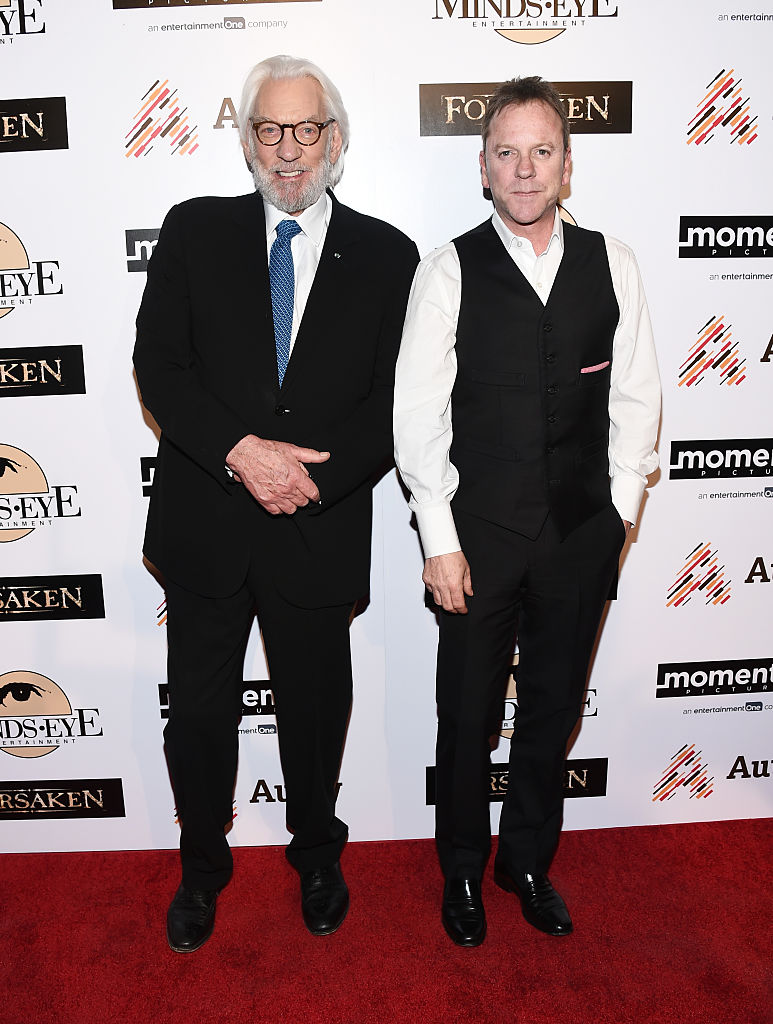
(306, 133)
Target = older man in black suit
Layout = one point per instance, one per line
(266, 345)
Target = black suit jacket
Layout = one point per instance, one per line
(206, 364)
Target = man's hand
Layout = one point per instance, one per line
(448, 579)
(274, 472)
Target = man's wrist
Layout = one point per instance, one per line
(437, 529)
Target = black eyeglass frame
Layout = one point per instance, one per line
(319, 125)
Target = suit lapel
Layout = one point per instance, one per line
(337, 268)
(250, 291)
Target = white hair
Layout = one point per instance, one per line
(282, 67)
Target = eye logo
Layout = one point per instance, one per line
(25, 697)
(26, 501)
(13, 257)
(36, 717)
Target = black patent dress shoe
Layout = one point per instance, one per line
(324, 899)
(541, 904)
(190, 918)
(464, 918)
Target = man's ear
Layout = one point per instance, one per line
(483, 172)
(337, 143)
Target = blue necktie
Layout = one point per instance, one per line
(281, 274)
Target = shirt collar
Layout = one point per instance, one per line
(510, 239)
(312, 221)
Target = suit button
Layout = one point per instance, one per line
(552, 419)
(548, 327)
(552, 389)
(281, 410)
(551, 451)
(550, 357)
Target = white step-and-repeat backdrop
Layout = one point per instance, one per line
(110, 112)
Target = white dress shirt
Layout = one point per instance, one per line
(306, 248)
(426, 372)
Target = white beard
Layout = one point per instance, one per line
(287, 194)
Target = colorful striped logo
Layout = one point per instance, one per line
(714, 350)
(687, 770)
(161, 118)
(723, 106)
(700, 575)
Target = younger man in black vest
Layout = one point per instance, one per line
(536, 334)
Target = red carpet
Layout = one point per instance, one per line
(672, 926)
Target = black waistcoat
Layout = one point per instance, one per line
(530, 402)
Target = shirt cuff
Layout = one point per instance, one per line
(437, 529)
(627, 493)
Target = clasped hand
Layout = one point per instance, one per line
(274, 472)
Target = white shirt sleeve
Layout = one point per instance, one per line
(634, 395)
(424, 380)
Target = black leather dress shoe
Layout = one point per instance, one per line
(190, 918)
(324, 899)
(541, 904)
(464, 918)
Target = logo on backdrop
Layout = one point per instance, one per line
(714, 678)
(36, 717)
(725, 237)
(759, 571)
(686, 771)
(32, 598)
(702, 575)
(57, 798)
(582, 777)
(510, 710)
(714, 352)
(257, 700)
(147, 473)
(723, 110)
(263, 792)
(20, 280)
(600, 108)
(161, 120)
(741, 769)
(42, 371)
(140, 243)
(737, 457)
(526, 21)
(27, 502)
(21, 18)
(28, 125)
(144, 5)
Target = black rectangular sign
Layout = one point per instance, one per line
(42, 370)
(599, 108)
(27, 125)
(51, 597)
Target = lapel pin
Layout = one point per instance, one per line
(337, 255)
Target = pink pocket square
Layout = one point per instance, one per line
(594, 369)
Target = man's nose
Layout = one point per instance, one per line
(289, 148)
(525, 167)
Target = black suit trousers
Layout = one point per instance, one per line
(548, 594)
(309, 661)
